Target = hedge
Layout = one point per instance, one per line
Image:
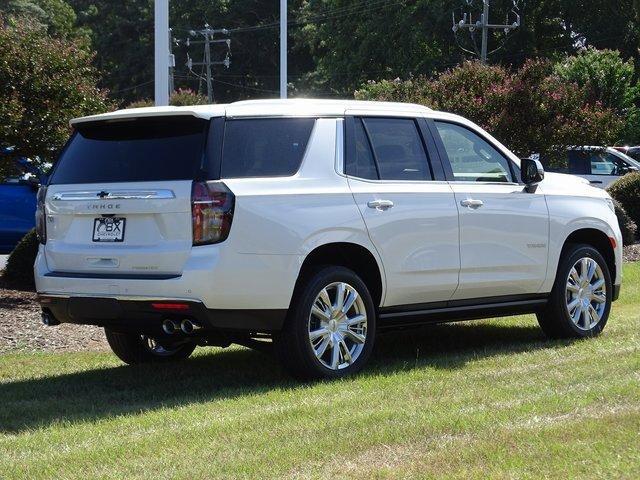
(626, 190)
(627, 225)
(19, 269)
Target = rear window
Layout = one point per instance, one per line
(267, 147)
(145, 149)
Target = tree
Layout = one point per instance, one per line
(57, 16)
(122, 34)
(531, 109)
(604, 24)
(44, 82)
(353, 41)
(608, 79)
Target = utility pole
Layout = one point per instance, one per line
(207, 59)
(283, 48)
(208, 34)
(485, 30)
(161, 53)
(484, 26)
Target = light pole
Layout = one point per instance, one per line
(161, 55)
(283, 48)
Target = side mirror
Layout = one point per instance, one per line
(531, 172)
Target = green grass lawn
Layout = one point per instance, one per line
(477, 399)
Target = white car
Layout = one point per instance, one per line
(312, 225)
(601, 166)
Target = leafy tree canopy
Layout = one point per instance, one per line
(57, 16)
(44, 82)
(608, 79)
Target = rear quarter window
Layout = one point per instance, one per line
(266, 147)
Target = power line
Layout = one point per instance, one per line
(133, 87)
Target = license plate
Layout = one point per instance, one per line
(108, 229)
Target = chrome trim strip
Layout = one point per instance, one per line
(114, 195)
(117, 297)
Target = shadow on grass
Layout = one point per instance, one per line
(101, 393)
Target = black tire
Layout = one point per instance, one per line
(555, 320)
(293, 345)
(132, 348)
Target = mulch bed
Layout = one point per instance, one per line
(21, 328)
(631, 253)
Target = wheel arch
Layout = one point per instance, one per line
(596, 238)
(350, 255)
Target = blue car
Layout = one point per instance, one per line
(17, 203)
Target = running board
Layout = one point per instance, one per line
(459, 310)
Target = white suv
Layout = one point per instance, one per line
(314, 225)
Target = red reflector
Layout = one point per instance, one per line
(614, 244)
(170, 306)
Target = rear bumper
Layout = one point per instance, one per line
(140, 315)
(214, 275)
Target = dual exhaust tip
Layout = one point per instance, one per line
(186, 326)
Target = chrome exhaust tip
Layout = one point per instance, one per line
(188, 327)
(170, 327)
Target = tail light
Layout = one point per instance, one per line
(41, 216)
(211, 212)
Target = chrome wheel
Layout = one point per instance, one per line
(154, 347)
(337, 326)
(586, 293)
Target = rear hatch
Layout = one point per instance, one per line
(119, 200)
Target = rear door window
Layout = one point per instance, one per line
(388, 149)
(362, 163)
(266, 147)
(133, 150)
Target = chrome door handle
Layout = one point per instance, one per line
(471, 203)
(380, 204)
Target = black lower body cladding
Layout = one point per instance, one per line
(143, 316)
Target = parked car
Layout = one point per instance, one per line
(633, 152)
(17, 203)
(313, 225)
(601, 166)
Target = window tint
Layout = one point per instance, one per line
(146, 149)
(397, 148)
(363, 165)
(264, 147)
(472, 158)
(579, 163)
